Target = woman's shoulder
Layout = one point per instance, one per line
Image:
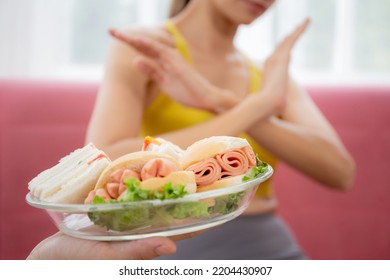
(121, 56)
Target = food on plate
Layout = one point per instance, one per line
(72, 178)
(221, 161)
(143, 176)
(151, 171)
(160, 145)
(162, 186)
(217, 161)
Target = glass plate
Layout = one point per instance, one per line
(141, 219)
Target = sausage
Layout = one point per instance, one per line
(157, 168)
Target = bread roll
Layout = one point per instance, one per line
(222, 183)
(133, 161)
(210, 147)
(186, 178)
(136, 161)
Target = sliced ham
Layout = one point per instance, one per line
(236, 161)
(251, 155)
(233, 162)
(206, 171)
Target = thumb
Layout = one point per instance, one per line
(144, 249)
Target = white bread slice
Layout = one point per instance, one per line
(72, 178)
(77, 189)
(210, 147)
(37, 183)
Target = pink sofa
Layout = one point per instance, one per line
(42, 121)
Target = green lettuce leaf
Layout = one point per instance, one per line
(260, 168)
(228, 203)
(133, 216)
(190, 209)
(147, 215)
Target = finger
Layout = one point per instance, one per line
(142, 249)
(299, 31)
(187, 235)
(150, 48)
(120, 35)
(290, 40)
(150, 69)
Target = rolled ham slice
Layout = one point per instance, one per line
(236, 161)
(206, 171)
(233, 162)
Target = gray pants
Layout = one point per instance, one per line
(258, 237)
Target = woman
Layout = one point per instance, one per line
(185, 81)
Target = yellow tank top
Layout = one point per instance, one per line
(164, 114)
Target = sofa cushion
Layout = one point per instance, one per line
(354, 224)
(40, 122)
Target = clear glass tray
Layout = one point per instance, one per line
(136, 220)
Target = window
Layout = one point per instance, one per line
(91, 18)
(372, 36)
(348, 40)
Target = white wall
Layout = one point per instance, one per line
(36, 37)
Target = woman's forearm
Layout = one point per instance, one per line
(320, 156)
(232, 122)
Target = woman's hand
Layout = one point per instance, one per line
(61, 247)
(167, 68)
(275, 76)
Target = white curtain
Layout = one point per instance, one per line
(34, 36)
(347, 42)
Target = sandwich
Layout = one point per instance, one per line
(142, 177)
(160, 145)
(161, 171)
(217, 162)
(221, 161)
(72, 178)
(153, 173)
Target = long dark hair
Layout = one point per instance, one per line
(177, 6)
